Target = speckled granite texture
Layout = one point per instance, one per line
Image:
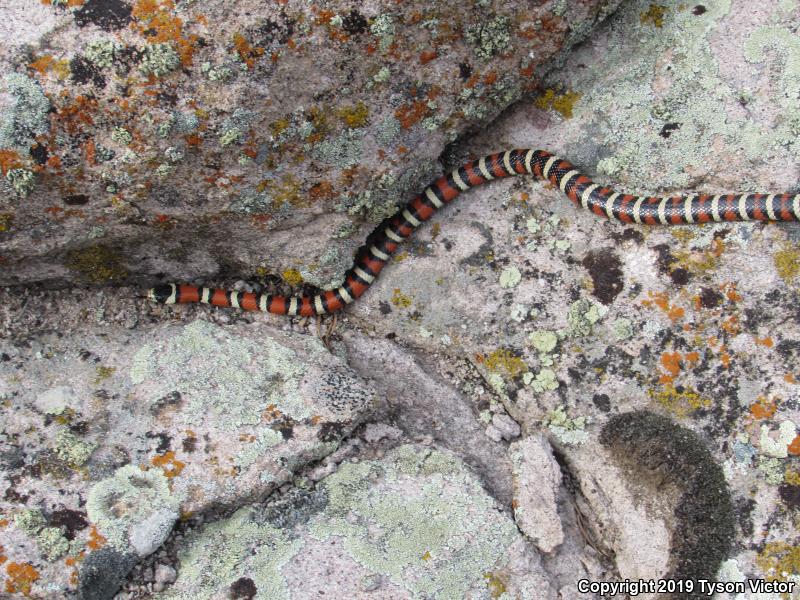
(527, 397)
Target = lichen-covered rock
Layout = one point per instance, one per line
(115, 437)
(416, 523)
(138, 125)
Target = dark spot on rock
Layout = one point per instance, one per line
(628, 234)
(243, 588)
(76, 199)
(5, 357)
(79, 428)
(83, 71)
(699, 10)
(163, 441)
(465, 71)
(39, 153)
(102, 573)
(666, 264)
(679, 276)
(668, 128)
(790, 494)
(71, 520)
(391, 335)
(704, 515)
(605, 270)
(331, 431)
(285, 428)
(354, 23)
(189, 444)
(270, 34)
(710, 298)
(384, 307)
(602, 401)
(171, 399)
(106, 14)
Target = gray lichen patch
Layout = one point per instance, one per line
(25, 115)
(417, 519)
(133, 509)
(705, 521)
(421, 520)
(235, 382)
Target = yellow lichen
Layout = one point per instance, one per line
(654, 15)
(506, 363)
(292, 277)
(103, 373)
(354, 116)
(495, 585)
(681, 402)
(787, 263)
(97, 264)
(400, 300)
(561, 103)
(5, 221)
(778, 560)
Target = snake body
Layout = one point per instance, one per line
(386, 238)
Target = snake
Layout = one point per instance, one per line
(383, 242)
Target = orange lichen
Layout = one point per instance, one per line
(96, 540)
(167, 462)
(411, 113)
(671, 362)
(21, 577)
(159, 25)
(321, 191)
(246, 52)
(70, 3)
(765, 341)
(9, 160)
(661, 300)
(427, 56)
(794, 447)
(763, 408)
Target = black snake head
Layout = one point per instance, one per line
(162, 294)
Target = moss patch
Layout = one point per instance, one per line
(97, 264)
(705, 521)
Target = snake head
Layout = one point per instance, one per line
(163, 294)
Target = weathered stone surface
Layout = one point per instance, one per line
(416, 523)
(518, 303)
(130, 127)
(127, 432)
(537, 479)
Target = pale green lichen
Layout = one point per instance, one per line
(30, 520)
(582, 315)
(570, 431)
(214, 558)
(52, 543)
(544, 380)
(133, 503)
(387, 131)
(421, 520)
(623, 328)
(490, 37)
(344, 151)
(772, 468)
(27, 118)
(544, 341)
(71, 449)
(101, 52)
(121, 136)
(383, 28)
(265, 439)
(159, 59)
(510, 277)
(235, 382)
(21, 180)
(775, 443)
